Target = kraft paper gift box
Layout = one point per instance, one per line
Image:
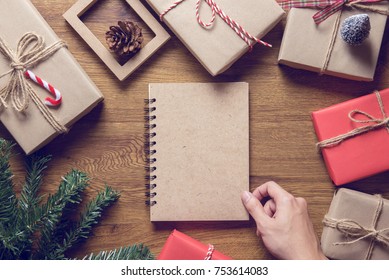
(305, 44)
(79, 94)
(356, 227)
(359, 156)
(218, 47)
(180, 246)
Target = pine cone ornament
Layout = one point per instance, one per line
(125, 39)
(355, 29)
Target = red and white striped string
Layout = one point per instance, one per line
(52, 90)
(209, 24)
(242, 33)
(210, 251)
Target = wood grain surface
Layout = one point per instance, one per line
(108, 142)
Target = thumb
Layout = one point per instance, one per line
(255, 208)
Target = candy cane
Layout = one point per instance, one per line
(53, 91)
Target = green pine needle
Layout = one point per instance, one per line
(83, 228)
(29, 199)
(8, 202)
(32, 230)
(69, 193)
(134, 252)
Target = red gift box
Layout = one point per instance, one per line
(363, 154)
(179, 246)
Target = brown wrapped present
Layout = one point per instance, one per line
(218, 46)
(28, 43)
(307, 45)
(356, 227)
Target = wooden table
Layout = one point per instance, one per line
(108, 143)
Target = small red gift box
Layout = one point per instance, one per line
(179, 246)
(363, 124)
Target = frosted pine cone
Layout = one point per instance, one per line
(355, 29)
(125, 39)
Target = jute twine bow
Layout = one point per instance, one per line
(30, 51)
(374, 124)
(331, 7)
(242, 33)
(353, 229)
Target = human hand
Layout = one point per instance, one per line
(283, 223)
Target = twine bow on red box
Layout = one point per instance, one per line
(372, 124)
(330, 7)
(242, 33)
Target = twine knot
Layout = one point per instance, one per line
(375, 233)
(18, 66)
(351, 228)
(373, 124)
(30, 51)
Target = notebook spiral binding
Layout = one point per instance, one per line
(150, 151)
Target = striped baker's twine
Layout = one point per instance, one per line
(242, 33)
(209, 24)
(55, 92)
(210, 251)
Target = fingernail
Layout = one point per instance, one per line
(246, 196)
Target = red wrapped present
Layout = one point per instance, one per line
(179, 246)
(354, 137)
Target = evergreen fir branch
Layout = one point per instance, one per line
(69, 193)
(83, 228)
(8, 201)
(24, 222)
(35, 165)
(134, 252)
(29, 217)
(8, 250)
(15, 242)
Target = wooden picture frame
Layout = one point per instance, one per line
(72, 16)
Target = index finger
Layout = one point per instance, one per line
(271, 189)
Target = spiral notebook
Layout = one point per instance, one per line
(198, 151)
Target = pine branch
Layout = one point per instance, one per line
(25, 222)
(83, 228)
(69, 193)
(8, 201)
(35, 165)
(29, 217)
(134, 252)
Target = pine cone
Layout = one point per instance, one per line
(125, 39)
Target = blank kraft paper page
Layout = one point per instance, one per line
(201, 151)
